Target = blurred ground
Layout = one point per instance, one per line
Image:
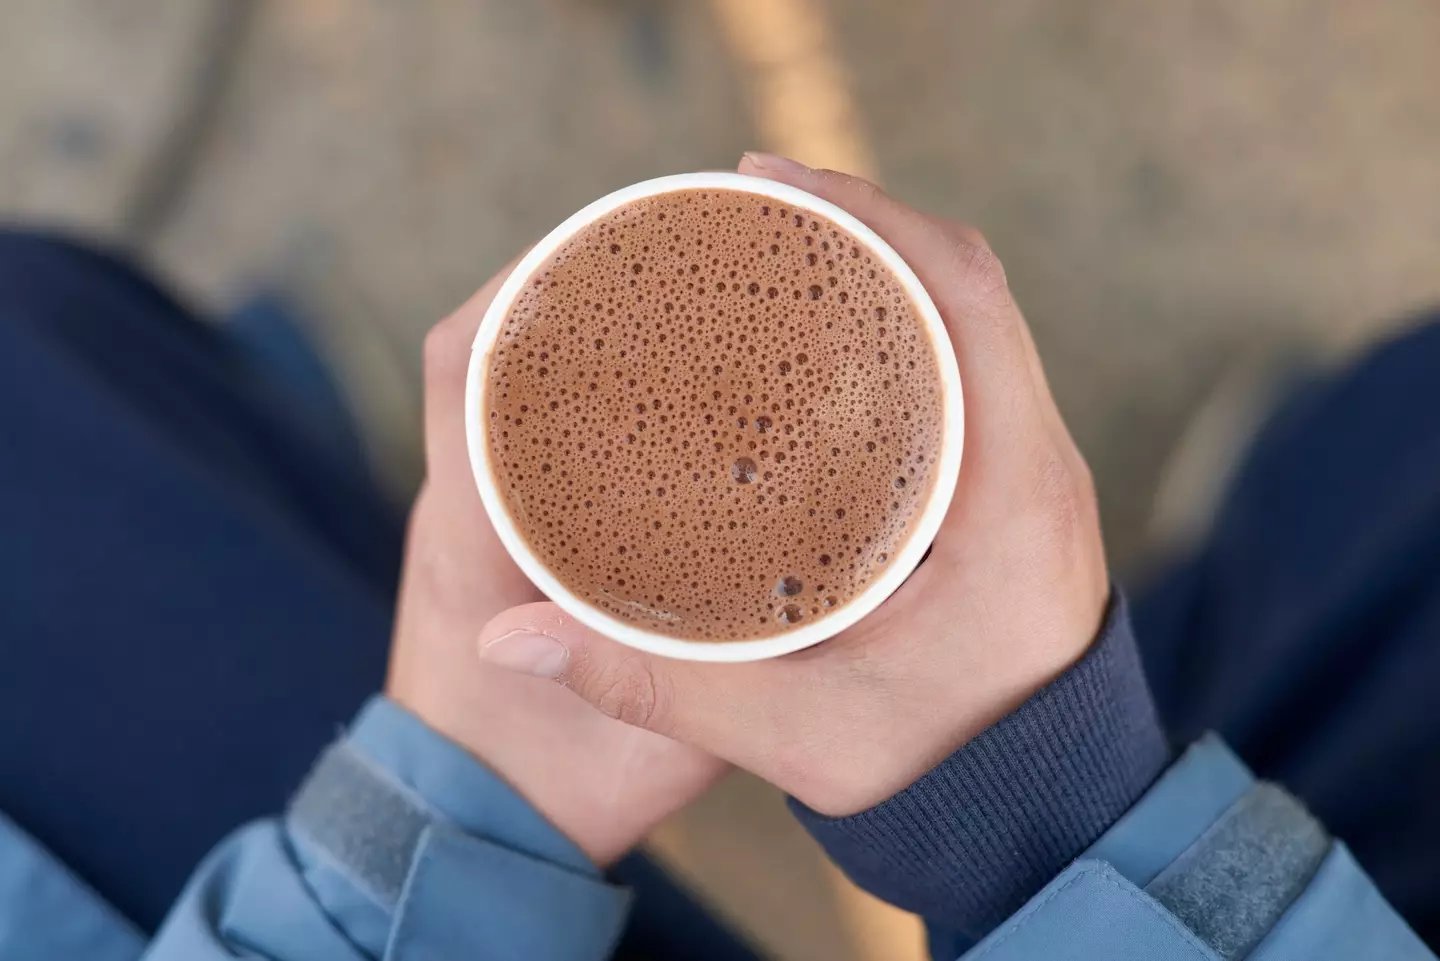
(1177, 190)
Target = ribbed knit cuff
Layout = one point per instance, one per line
(970, 841)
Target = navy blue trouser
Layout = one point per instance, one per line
(196, 581)
(1306, 628)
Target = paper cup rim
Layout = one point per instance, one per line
(900, 567)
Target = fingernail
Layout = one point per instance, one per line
(774, 163)
(527, 652)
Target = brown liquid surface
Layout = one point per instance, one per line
(713, 416)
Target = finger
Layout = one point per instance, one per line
(659, 694)
(447, 359)
(955, 265)
(1009, 416)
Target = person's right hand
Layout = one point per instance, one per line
(1013, 593)
(600, 782)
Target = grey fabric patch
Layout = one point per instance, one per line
(1235, 881)
(366, 825)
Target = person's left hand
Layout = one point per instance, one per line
(601, 782)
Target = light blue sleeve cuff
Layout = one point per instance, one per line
(1210, 865)
(1225, 854)
(1181, 805)
(458, 787)
(415, 850)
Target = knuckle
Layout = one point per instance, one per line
(870, 193)
(972, 261)
(438, 353)
(856, 192)
(630, 693)
(859, 185)
(1064, 495)
(1085, 481)
(980, 266)
(967, 234)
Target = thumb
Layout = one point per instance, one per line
(639, 689)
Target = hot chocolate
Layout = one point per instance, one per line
(714, 416)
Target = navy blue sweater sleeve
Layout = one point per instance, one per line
(970, 841)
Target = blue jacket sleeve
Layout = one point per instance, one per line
(1210, 865)
(399, 846)
(1059, 833)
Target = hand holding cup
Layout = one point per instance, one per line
(1013, 592)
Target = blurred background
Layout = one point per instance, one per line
(1194, 201)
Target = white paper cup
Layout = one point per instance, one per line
(906, 559)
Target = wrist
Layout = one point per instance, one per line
(943, 705)
(394, 814)
(544, 773)
(602, 784)
(534, 762)
(971, 837)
